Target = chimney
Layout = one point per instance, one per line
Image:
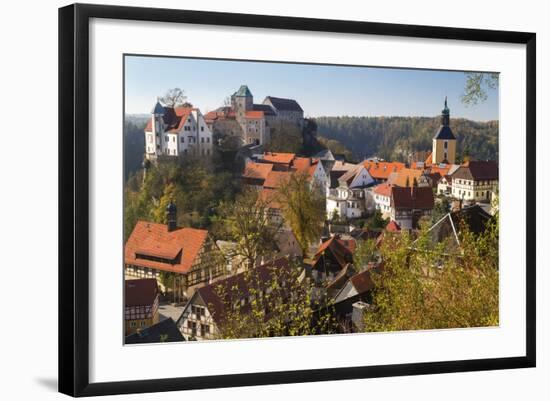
(172, 216)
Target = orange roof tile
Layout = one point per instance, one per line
(275, 179)
(383, 189)
(381, 170)
(254, 115)
(258, 171)
(279, 158)
(153, 239)
(406, 176)
(393, 227)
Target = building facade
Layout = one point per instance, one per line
(157, 250)
(475, 181)
(141, 304)
(177, 132)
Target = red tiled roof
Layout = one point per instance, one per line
(180, 114)
(305, 165)
(406, 176)
(412, 198)
(258, 171)
(153, 239)
(441, 169)
(393, 227)
(341, 250)
(140, 292)
(429, 159)
(362, 281)
(381, 170)
(383, 189)
(275, 179)
(279, 158)
(254, 115)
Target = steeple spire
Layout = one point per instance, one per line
(445, 114)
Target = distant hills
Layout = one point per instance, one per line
(395, 138)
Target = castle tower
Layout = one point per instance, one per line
(172, 216)
(444, 141)
(242, 101)
(153, 139)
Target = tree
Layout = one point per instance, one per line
(303, 208)
(170, 194)
(477, 85)
(272, 303)
(441, 208)
(285, 137)
(247, 222)
(423, 285)
(376, 221)
(174, 97)
(365, 253)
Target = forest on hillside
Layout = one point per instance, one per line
(395, 138)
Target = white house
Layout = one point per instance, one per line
(348, 199)
(475, 181)
(177, 131)
(381, 195)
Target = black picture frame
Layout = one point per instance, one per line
(74, 198)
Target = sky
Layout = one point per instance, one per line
(321, 90)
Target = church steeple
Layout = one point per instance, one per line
(445, 114)
(444, 142)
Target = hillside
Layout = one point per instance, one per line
(394, 138)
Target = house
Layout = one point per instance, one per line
(444, 185)
(408, 205)
(154, 249)
(286, 109)
(327, 159)
(380, 170)
(314, 169)
(381, 195)
(165, 331)
(475, 181)
(280, 161)
(448, 228)
(444, 141)
(210, 306)
(407, 177)
(177, 132)
(354, 297)
(348, 199)
(330, 258)
(141, 304)
(255, 174)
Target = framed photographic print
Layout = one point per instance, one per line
(251, 199)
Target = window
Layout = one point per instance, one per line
(445, 145)
(205, 329)
(208, 140)
(133, 324)
(202, 128)
(182, 140)
(166, 139)
(193, 328)
(202, 140)
(142, 324)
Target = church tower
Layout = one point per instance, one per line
(172, 216)
(444, 142)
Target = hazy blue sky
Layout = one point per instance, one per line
(321, 90)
